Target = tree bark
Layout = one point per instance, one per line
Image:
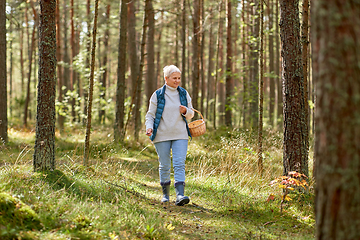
(91, 89)
(261, 91)
(305, 46)
(61, 118)
(195, 58)
(151, 84)
(229, 77)
(133, 57)
(106, 70)
(74, 51)
(3, 80)
(271, 66)
(244, 67)
(201, 57)
(279, 121)
(140, 75)
(44, 154)
(218, 66)
(121, 70)
(254, 80)
(183, 44)
(31, 51)
(295, 157)
(336, 44)
(210, 77)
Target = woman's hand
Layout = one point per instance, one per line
(149, 132)
(183, 109)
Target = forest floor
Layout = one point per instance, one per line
(118, 195)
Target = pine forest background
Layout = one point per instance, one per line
(194, 35)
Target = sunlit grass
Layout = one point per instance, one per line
(118, 194)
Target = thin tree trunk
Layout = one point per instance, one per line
(139, 79)
(305, 45)
(84, 91)
(21, 43)
(133, 57)
(32, 49)
(11, 70)
(121, 70)
(159, 79)
(278, 69)
(66, 58)
(196, 50)
(61, 118)
(91, 89)
(245, 79)
(254, 81)
(3, 80)
(220, 83)
(73, 74)
(44, 154)
(183, 44)
(217, 68)
(151, 84)
(210, 77)
(261, 91)
(271, 66)
(229, 78)
(202, 46)
(106, 70)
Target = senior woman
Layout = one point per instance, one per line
(166, 125)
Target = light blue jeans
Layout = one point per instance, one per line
(179, 151)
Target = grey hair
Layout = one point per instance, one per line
(170, 69)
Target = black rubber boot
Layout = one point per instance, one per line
(181, 200)
(166, 193)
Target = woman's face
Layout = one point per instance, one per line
(173, 80)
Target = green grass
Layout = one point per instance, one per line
(117, 197)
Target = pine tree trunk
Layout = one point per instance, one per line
(271, 67)
(261, 90)
(254, 80)
(151, 84)
(91, 89)
(83, 90)
(295, 156)
(140, 75)
(210, 77)
(183, 44)
(3, 80)
(202, 67)
(73, 74)
(61, 118)
(218, 66)
(158, 75)
(121, 70)
(44, 154)
(106, 70)
(279, 120)
(336, 44)
(305, 45)
(133, 57)
(195, 58)
(229, 78)
(244, 66)
(32, 49)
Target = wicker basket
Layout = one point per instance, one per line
(197, 127)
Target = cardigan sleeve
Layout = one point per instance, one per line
(150, 115)
(189, 112)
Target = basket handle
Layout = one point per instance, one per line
(198, 113)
